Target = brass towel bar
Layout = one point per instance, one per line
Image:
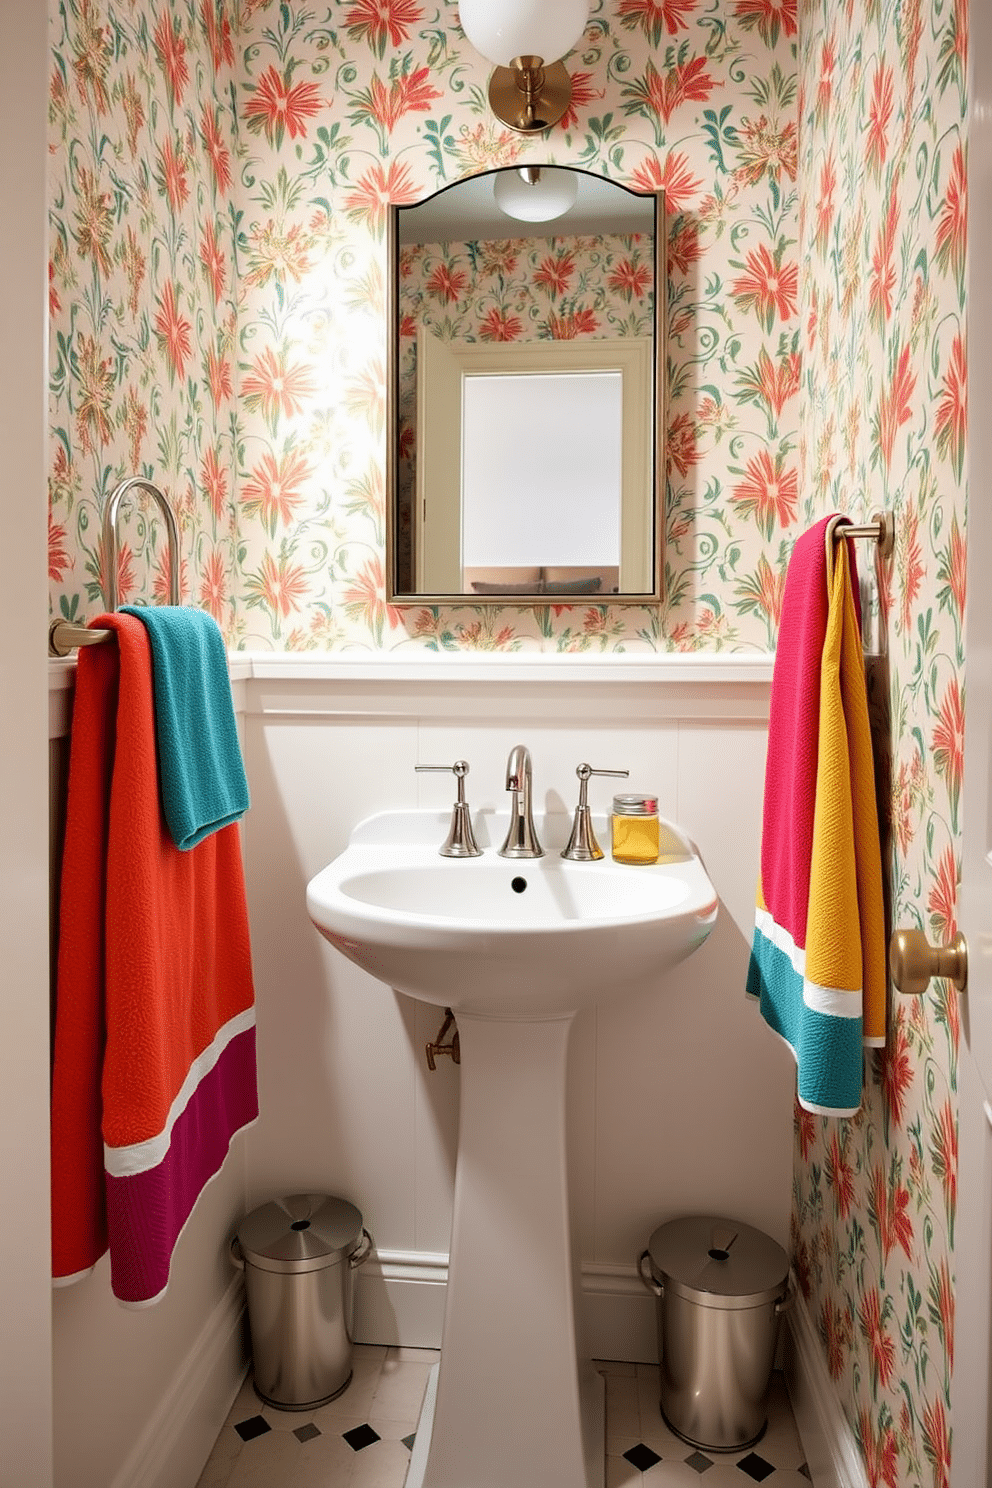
(882, 528)
(63, 636)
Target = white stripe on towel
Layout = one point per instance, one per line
(833, 1001)
(125, 1162)
(781, 940)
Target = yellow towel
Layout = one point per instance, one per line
(845, 934)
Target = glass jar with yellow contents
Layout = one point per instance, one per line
(634, 828)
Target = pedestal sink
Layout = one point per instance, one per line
(515, 948)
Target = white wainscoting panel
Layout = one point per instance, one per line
(183, 1426)
(680, 1101)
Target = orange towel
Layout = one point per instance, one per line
(155, 1036)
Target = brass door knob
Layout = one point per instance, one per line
(913, 961)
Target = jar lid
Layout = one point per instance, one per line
(304, 1232)
(635, 805)
(718, 1262)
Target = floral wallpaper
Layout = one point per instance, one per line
(218, 297)
(557, 288)
(142, 308)
(882, 108)
(349, 107)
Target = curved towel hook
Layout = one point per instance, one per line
(63, 635)
(110, 515)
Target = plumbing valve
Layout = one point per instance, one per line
(439, 1047)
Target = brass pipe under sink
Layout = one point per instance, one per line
(439, 1047)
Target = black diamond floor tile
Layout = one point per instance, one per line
(698, 1462)
(408, 1441)
(642, 1457)
(804, 1469)
(360, 1436)
(306, 1433)
(756, 1467)
(252, 1427)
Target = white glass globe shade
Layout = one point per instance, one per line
(504, 29)
(548, 197)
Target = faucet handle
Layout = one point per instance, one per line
(460, 841)
(582, 845)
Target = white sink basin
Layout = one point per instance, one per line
(515, 948)
(499, 937)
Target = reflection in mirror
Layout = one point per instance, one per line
(524, 391)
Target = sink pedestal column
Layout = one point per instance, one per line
(518, 1406)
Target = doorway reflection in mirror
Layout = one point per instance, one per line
(570, 306)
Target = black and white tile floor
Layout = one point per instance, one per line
(640, 1449)
(363, 1439)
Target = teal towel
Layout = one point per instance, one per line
(201, 772)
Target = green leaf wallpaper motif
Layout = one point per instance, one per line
(142, 296)
(883, 164)
(219, 195)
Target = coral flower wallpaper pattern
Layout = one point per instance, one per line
(142, 344)
(882, 306)
(219, 209)
(218, 204)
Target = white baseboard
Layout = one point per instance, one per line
(399, 1300)
(619, 1314)
(831, 1448)
(175, 1444)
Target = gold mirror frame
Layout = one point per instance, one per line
(517, 599)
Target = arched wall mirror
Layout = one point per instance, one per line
(525, 392)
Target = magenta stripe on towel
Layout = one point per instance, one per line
(146, 1212)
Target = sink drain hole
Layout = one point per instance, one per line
(300, 1224)
(518, 885)
(718, 1254)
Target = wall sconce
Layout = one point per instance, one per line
(535, 193)
(530, 89)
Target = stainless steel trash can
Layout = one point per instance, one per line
(299, 1256)
(721, 1288)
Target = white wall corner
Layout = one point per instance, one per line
(831, 1448)
(178, 1439)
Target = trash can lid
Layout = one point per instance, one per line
(718, 1262)
(304, 1232)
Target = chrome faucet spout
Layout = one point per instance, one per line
(518, 768)
(521, 839)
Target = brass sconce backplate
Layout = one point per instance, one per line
(537, 111)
